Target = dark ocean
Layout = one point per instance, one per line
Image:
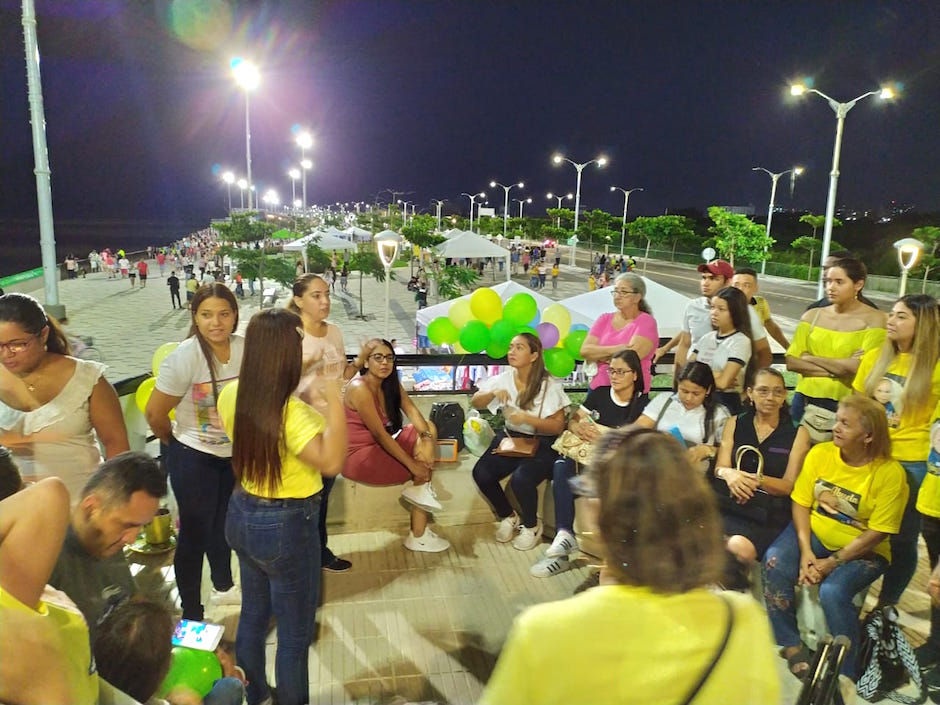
(19, 239)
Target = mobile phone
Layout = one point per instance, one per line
(197, 635)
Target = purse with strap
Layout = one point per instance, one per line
(818, 420)
(886, 660)
(716, 658)
(520, 446)
(757, 507)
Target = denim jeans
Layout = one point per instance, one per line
(562, 471)
(904, 543)
(527, 474)
(278, 546)
(202, 484)
(225, 691)
(326, 555)
(780, 570)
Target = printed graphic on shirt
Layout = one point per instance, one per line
(206, 414)
(933, 458)
(838, 503)
(888, 394)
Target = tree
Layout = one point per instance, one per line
(251, 261)
(808, 244)
(452, 280)
(737, 235)
(366, 261)
(661, 229)
(561, 217)
(595, 225)
(815, 222)
(929, 259)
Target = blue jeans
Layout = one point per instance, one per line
(562, 471)
(780, 570)
(225, 691)
(202, 484)
(904, 543)
(278, 548)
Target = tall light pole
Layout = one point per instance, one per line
(404, 211)
(841, 110)
(294, 174)
(305, 142)
(600, 161)
(626, 199)
(229, 179)
(242, 186)
(246, 75)
(522, 202)
(774, 177)
(550, 195)
(472, 196)
(439, 205)
(494, 184)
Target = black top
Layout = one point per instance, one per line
(608, 412)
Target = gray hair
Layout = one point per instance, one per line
(635, 282)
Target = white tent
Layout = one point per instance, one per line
(667, 306)
(467, 245)
(324, 240)
(358, 233)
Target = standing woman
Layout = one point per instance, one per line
(324, 356)
(904, 376)
(281, 449)
(533, 404)
(196, 448)
(829, 342)
(631, 327)
(727, 348)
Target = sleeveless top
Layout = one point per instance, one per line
(776, 449)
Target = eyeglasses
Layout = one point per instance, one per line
(18, 346)
(379, 357)
(769, 391)
(622, 292)
(617, 371)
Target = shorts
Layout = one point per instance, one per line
(371, 465)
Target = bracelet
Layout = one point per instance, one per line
(425, 434)
(837, 558)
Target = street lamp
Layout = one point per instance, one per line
(246, 76)
(229, 179)
(909, 250)
(404, 211)
(626, 199)
(387, 243)
(841, 110)
(472, 196)
(305, 166)
(494, 184)
(305, 142)
(294, 174)
(242, 185)
(522, 202)
(550, 195)
(439, 205)
(600, 161)
(794, 172)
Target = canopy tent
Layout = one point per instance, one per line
(358, 234)
(470, 245)
(668, 306)
(324, 240)
(453, 232)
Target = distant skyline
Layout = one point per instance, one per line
(439, 98)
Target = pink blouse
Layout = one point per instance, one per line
(643, 325)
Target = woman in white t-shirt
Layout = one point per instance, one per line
(533, 404)
(197, 451)
(727, 349)
(692, 413)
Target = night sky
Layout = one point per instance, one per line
(441, 97)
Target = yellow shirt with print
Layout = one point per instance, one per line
(871, 496)
(822, 342)
(910, 430)
(301, 424)
(928, 498)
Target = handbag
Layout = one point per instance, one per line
(571, 445)
(519, 446)
(757, 507)
(886, 659)
(818, 422)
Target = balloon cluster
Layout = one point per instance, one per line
(483, 323)
(142, 395)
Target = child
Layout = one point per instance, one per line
(555, 276)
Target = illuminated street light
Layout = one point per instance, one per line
(242, 186)
(794, 172)
(473, 196)
(550, 195)
(229, 179)
(246, 76)
(841, 110)
(404, 211)
(305, 142)
(600, 161)
(387, 244)
(440, 205)
(494, 184)
(626, 199)
(522, 202)
(294, 174)
(909, 250)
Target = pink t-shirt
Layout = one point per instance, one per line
(643, 325)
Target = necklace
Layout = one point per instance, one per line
(762, 434)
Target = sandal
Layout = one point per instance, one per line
(800, 657)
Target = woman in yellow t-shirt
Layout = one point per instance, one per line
(848, 498)
(280, 448)
(904, 376)
(830, 341)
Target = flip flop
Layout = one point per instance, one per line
(803, 656)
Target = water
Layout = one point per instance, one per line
(20, 239)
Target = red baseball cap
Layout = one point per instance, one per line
(718, 268)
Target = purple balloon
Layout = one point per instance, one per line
(548, 334)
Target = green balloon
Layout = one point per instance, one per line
(520, 309)
(573, 343)
(193, 668)
(503, 331)
(475, 336)
(558, 362)
(496, 349)
(527, 329)
(441, 331)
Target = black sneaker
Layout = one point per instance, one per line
(928, 655)
(337, 565)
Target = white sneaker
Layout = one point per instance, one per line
(422, 496)
(232, 596)
(528, 538)
(507, 529)
(547, 567)
(564, 545)
(428, 542)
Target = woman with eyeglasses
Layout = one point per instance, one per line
(630, 327)
(655, 608)
(383, 451)
(54, 408)
(754, 511)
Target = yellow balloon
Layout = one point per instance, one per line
(486, 305)
(161, 354)
(558, 316)
(458, 348)
(460, 313)
(142, 396)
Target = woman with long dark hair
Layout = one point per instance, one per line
(281, 449)
(385, 451)
(195, 447)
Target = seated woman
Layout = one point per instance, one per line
(755, 512)
(533, 404)
(382, 451)
(661, 540)
(613, 405)
(691, 413)
(848, 498)
(727, 349)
